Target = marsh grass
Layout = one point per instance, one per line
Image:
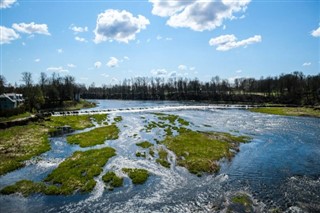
(118, 119)
(95, 136)
(21, 143)
(100, 118)
(199, 151)
(145, 144)
(112, 180)
(76, 173)
(77, 122)
(288, 111)
(163, 158)
(138, 176)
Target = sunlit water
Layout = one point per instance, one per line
(279, 169)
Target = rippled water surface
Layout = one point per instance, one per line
(279, 169)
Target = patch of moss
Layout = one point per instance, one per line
(76, 173)
(163, 158)
(21, 143)
(95, 136)
(199, 152)
(242, 199)
(118, 119)
(138, 176)
(241, 202)
(151, 152)
(112, 179)
(288, 111)
(183, 122)
(100, 118)
(145, 144)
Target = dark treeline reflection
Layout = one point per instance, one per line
(54, 90)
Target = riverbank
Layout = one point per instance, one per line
(289, 111)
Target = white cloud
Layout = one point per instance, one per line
(169, 39)
(113, 62)
(159, 37)
(71, 65)
(6, 3)
(198, 15)
(97, 64)
(77, 38)
(37, 60)
(227, 42)
(60, 50)
(238, 71)
(126, 58)
(159, 72)
(182, 67)
(305, 64)
(192, 68)
(31, 28)
(76, 29)
(57, 69)
(24, 44)
(316, 32)
(7, 35)
(117, 25)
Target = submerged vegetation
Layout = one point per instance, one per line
(95, 136)
(199, 151)
(288, 111)
(76, 173)
(138, 176)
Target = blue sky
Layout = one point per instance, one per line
(106, 41)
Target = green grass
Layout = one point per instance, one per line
(74, 105)
(21, 143)
(199, 152)
(76, 173)
(15, 117)
(163, 158)
(112, 180)
(141, 154)
(95, 136)
(288, 111)
(138, 176)
(242, 199)
(100, 118)
(77, 122)
(118, 119)
(145, 144)
(151, 152)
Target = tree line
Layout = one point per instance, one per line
(52, 91)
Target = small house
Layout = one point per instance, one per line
(11, 100)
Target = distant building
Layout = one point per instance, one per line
(10, 100)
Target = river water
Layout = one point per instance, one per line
(279, 169)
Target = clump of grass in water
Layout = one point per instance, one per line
(95, 136)
(288, 111)
(100, 118)
(141, 154)
(77, 122)
(112, 180)
(76, 173)
(199, 152)
(145, 144)
(241, 202)
(163, 158)
(118, 119)
(138, 176)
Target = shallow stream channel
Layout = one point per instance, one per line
(277, 170)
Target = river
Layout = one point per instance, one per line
(279, 169)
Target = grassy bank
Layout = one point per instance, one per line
(199, 152)
(15, 117)
(95, 136)
(76, 173)
(288, 111)
(21, 143)
(112, 180)
(163, 158)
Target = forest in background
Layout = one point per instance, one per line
(294, 89)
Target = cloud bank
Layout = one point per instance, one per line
(228, 42)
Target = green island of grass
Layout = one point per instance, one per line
(138, 176)
(241, 201)
(200, 151)
(100, 118)
(95, 136)
(112, 180)
(145, 144)
(141, 154)
(77, 122)
(163, 158)
(76, 173)
(118, 119)
(288, 111)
